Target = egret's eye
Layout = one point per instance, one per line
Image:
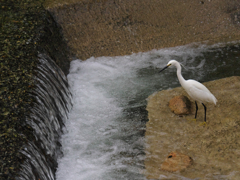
(169, 64)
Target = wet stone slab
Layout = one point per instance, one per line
(215, 148)
(112, 28)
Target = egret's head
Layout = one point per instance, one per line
(170, 63)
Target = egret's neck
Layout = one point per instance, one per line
(179, 75)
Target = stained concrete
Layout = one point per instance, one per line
(215, 148)
(120, 27)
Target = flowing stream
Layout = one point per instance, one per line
(47, 118)
(104, 135)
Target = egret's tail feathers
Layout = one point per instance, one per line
(214, 99)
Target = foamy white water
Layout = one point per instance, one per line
(104, 133)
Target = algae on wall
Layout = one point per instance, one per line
(26, 29)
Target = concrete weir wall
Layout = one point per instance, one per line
(120, 27)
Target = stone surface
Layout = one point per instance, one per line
(176, 161)
(215, 148)
(111, 28)
(180, 105)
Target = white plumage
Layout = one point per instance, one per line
(197, 91)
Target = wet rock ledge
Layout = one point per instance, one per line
(120, 27)
(215, 148)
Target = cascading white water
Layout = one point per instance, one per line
(104, 133)
(47, 117)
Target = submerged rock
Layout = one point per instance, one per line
(176, 161)
(215, 148)
(180, 105)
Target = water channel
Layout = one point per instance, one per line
(104, 134)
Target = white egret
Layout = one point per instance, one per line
(197, 91)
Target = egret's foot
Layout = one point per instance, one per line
(192, 120)
(203, 124)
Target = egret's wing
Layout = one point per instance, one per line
(197, 86)
(199, 92)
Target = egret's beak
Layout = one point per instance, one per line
(164, 68)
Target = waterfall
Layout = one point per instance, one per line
(47, 118)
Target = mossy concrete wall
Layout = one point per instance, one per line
(27, 29)
(120, 27)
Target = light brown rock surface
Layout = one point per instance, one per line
(176, 161)
(120, 27)
(215, 149)
(180, 105)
